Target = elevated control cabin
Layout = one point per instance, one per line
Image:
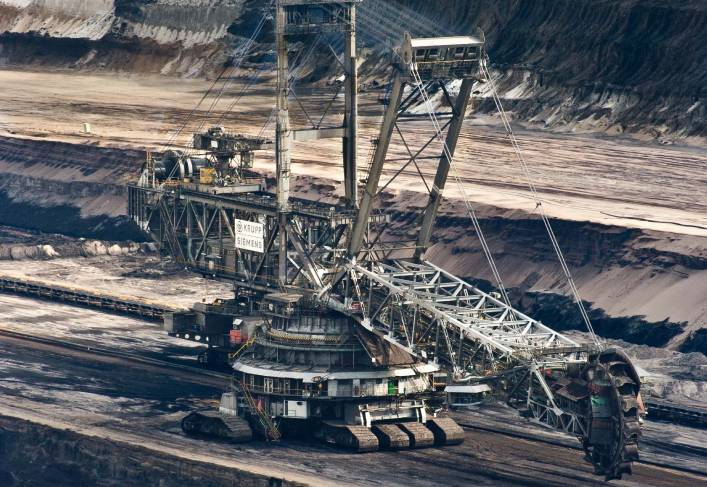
(444, 57)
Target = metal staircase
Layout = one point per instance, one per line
(233, 356)
(272, 433)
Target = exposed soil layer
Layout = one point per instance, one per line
(77, 190)
(560, 313)
(66, 219)
(641, 286)
(35, 455)
(614, 66)
(110, 54)
(187, 37)
(695, 342)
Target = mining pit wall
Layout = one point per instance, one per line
(179, 37)
(640, 286)
(34, 454)
(76, 190)
(603, 66)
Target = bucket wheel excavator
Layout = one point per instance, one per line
(339, 322)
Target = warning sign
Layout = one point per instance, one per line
(250, 236)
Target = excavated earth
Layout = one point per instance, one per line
(608, 100)
(617, 66)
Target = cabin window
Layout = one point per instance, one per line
(433, 54)
(459, 53)
(420, 54)
(318, 16)
(339, 15)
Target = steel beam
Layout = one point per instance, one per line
(367, 200)
(476, 317)
(282, 140)
(350, 140)
(462, 102)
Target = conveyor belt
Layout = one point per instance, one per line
(676, 413)
(83, 297)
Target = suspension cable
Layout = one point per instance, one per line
(469, 207)
(255, 77)
(538, 202)
(238, 60)
(187, 119)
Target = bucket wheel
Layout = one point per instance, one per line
(614, 428)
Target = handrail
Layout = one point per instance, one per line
(233, 356)
(271, 431)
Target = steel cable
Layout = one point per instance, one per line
(239, 57)
(539, 204)
(469, 207)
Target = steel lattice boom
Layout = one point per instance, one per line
(465, 315)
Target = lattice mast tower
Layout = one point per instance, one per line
(297, 18)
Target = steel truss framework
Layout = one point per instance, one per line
(369, 243)
(198, 231)
(415, 304)
(340, 255)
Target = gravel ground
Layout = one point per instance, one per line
(106, 396)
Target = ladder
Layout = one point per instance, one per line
(233, 356)
(271, 431)
(170, 234)
(370, 157)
